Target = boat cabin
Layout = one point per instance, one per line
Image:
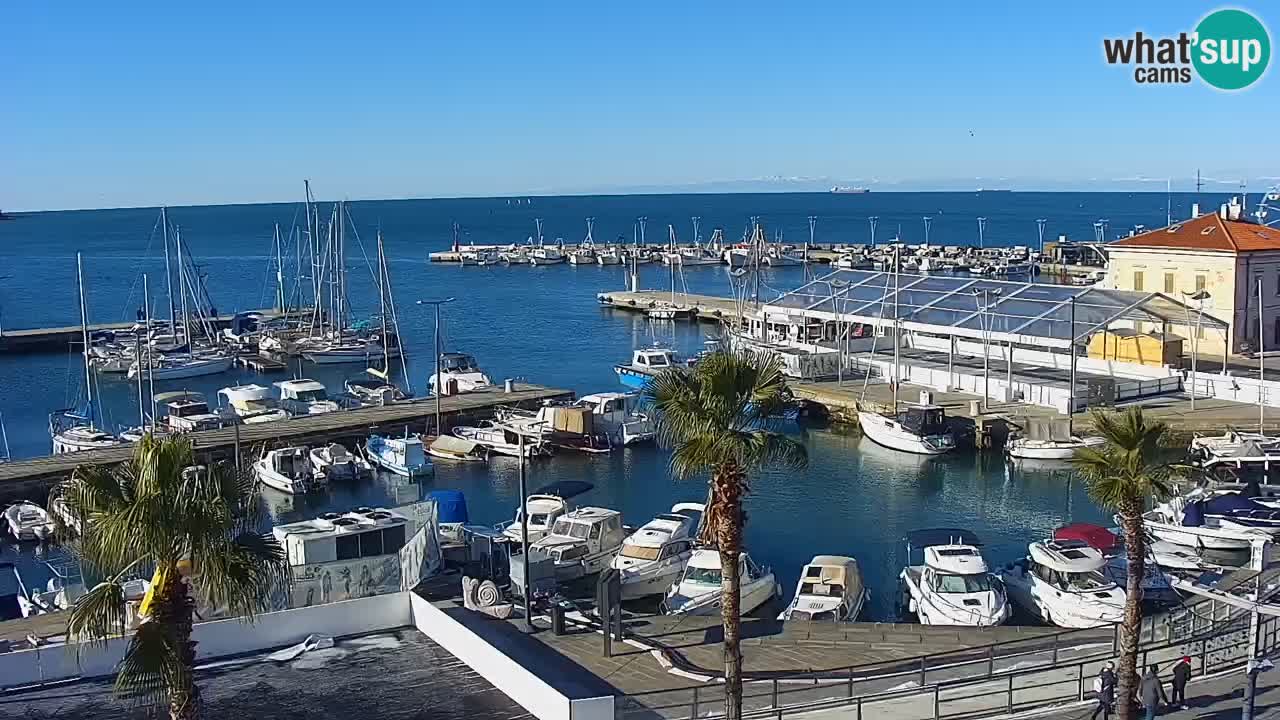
(653, 360)
(666, 535)
(333, 537)
(248, 400)
(454, 362)
(544, 506)
(290, 462)
(187, 411)
(924, 420)
(305, 397)
(830, 589)
(1069, 566)
(582, 532)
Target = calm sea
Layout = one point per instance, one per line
(543, 325)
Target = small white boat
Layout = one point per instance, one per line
(545, 255)
(305, 397)
(461, 374)
(252, 404)
(654, 557)
(286, 469)
(581, 543)
(1063, 583)
(183, 367)
(373, 391)
(1028, 449)
(403, 456)
(920, 429)
(1229, 443)
(830, 589)
(455, 449)
(28, 521)
(582, 256)
(698, 592)
(74, 438)
(609, 256)
(187, 411)
(346, 350)
(335, 462)
(502, 440)
(543, 507)
(953, 586)
(645, 363)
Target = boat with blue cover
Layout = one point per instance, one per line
(645, 364)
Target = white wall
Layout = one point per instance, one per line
(1237, 389)
(216, 639)
(1044, 358)
(525, 688)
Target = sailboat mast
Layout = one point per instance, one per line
(1071, 396)
(279, 272)
(897, 331)
(1262, 362)
(84, 337)
(671, 233)
(151, 376)
(137, 358)
(182, 291)
(168, 272)
(342, 266)
(382, 303)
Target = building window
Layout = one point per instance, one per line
(1137, 280)
(1200, 280)
(1168, 283)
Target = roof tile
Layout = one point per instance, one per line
(1208, 232)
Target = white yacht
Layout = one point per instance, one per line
(187, 412)
(654, 556)
(699, 588)
(286, 469)
(503, 440)
(461, 374)
(335, 462)
(953, 585)
(28, 521)
(580, 543)
(1208, 519)
(252, 404)
(166, 367)
(1064, 449)
(920, 429)
(645, 363)
(347, 350)
(403, 456)
(73, 433)
(543, 507)
(305, 397)
(1062, 582)
(830, 589)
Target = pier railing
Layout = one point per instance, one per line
(991, 680)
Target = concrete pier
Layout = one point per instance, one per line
(60, 339)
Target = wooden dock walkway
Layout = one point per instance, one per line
(31, 478)
(59, 339)
(707, 308)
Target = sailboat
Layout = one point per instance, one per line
(922, 429)
(672, 309)
(74, 430)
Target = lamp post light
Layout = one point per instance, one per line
(873, 220)
(982, 229)
(1199, 296)
(439, 385)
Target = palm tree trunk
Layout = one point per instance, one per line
(174, 613)
(1127, 671)
(727, 485)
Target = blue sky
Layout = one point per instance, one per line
(115, 104)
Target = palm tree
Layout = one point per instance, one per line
(1120, 476)
(196, 529)
(716, 416)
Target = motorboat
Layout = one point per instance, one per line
(15, 601)
(953, 585)
(461, 374)
(1231, 442)
(595, 423)
(618, 416)
(403, 456)
(166, 367)
(739, 257)
(335, 462)
(74, 432)
(305, 397)
(456, 449)
(252, 404)
(1233, 456)
(609, 256)
(1063, 583)
(285, 469)
(373, 391)
(777, 257)
(344, 350)
(580, 544)
(514, 256)
(920, 429)
(1027, 449)
(698, 591)
(28, 521)
(645, 363)
(187, 412)
(503, 440)
(545, 255)
(654, 556)
(585, 255)
(543, 507)
(1195, 520)
(1162, 558)
(830, 589)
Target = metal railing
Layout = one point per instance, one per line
(993, 679)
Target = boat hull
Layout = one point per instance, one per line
(753, 596)
(878, 429)
(1050, 450)
(199, 368)
(631, 378)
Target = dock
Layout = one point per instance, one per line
(33, 477)
(707, 308)
(59, 339)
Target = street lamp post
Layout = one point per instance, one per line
(984, 319)
(1199, 296)
(439, 384)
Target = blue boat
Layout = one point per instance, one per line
(402, 456)
(645, 363)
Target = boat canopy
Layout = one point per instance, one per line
(1092, 535)
(245, 322)
(565, 489)
(246, 393)
(1024, 312)
(942, 536)
(165, 398)
(454, 445)
(451, 505)
(1068, 556)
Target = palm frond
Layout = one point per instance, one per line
(234, 573)
(151, 665)
(97, 615)
(1127, 469)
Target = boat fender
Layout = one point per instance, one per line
(912, 606)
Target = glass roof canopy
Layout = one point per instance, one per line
(1019, 312)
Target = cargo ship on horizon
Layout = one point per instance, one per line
(849, 190)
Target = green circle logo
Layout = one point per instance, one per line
(1232, 49)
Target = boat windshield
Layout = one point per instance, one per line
(820, 616)
(539, 519)
(702, 576)
(311, 395)
(568, 528)
(636, 552)
(1086, 581)
(962, 583)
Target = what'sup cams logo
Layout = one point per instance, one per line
(1229, 50)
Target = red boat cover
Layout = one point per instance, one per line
(1095, 535)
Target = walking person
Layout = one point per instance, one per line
(1181, 674)
(1105, 686)
(1151, 692)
